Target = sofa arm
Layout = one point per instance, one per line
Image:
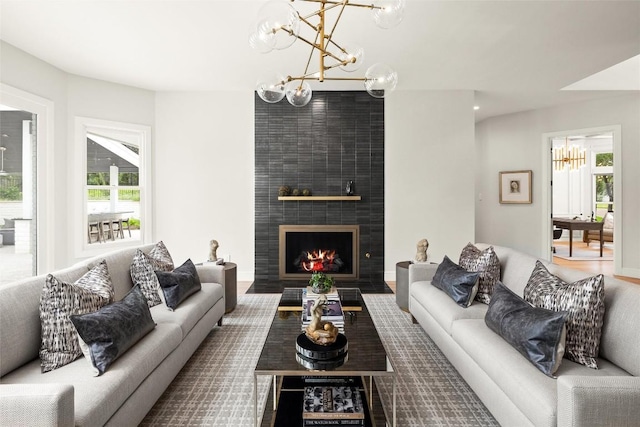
(210, 273)
(37, 405)
(421, 272)
(598, 401)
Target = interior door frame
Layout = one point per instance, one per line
(547, 193)
(45, 185)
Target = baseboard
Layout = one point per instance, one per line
(245, 276)
(390, 276)
(630, 272)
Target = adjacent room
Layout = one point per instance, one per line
(318, 212)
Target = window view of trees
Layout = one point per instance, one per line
(604, 185)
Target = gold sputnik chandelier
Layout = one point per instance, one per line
(572, 156)
(279, 25)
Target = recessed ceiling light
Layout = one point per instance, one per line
(476, 107)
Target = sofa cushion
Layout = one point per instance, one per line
(189, 313)
(487, 264)
(441, 307)
(583, 300)
(143, 268)
(98, 398)
(538, 334)
(58, 301)
(109, 332)
(534, 393)
(179, 284)
(460, 284)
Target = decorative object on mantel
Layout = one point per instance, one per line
(421, 252)
(350, 188)
(284, 190)
(319, 331)
(515, 187)
(306, 192)
(320, 282)
(295, 192)
(279, 25)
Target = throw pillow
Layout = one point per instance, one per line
(143, 268)
(584, 302)
(538, 334)
(179, 284)
(487, 264)
(460, 284)
(59, 300)
(109, 332)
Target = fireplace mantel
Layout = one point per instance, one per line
(317, 198)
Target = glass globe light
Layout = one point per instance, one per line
(271, 88)
(298, 94)
(354, 55)
(282, 20)
(380, 80)
(262, 40)
(388, 13)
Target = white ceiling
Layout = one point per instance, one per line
(517, 55)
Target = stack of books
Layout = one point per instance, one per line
(332, 406)
(332, 311)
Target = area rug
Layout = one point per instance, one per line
(582, 252)
(215, 388)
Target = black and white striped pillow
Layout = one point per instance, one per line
(584, 302)
(143, 269)
(486, 264)
(59, 340)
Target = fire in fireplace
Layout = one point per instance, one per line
(328, 248)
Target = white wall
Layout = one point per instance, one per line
(429, 174)
(204, 175)
(72, 96)
(513, 142)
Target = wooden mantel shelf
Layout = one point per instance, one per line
(326, 198)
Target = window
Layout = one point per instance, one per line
(116, 195)
(602, 169)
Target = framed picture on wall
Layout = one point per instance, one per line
(515, 187)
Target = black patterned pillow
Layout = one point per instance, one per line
(59, 300)
(109, 332)
(487, 264)
(584, 302)
(143, 269)
(179, 284)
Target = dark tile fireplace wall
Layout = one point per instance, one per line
(337, 137)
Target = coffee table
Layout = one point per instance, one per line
(366, 358)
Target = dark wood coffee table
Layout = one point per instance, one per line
(366, 358)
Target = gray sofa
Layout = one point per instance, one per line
(123, 395)
(516, 392)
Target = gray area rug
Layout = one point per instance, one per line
(215, 388)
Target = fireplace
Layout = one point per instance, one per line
(332, 249)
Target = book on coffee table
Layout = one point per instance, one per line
(332, 402)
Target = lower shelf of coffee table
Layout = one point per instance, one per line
(290, 401)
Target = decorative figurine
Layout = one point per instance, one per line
(323, 333)
(421, 253)
(349, 188)
(213, 247)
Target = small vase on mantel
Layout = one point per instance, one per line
(350, 188)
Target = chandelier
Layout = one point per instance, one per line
(574, 156)
(279, 25)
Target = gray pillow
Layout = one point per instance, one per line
(461, 285)
(179, 284)
(538, 334)
(109, 332)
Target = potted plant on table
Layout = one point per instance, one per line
(320, 282)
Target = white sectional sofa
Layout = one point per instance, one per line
(515, 391)
(123, 395)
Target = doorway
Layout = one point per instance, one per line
(583, 197)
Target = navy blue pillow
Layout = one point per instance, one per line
(179, 284)
(538, 334)
(109, 332)
(461, 285)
